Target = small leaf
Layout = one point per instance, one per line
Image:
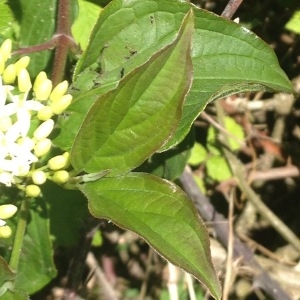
(294, 23)
(198, 155)
(97, 239)
(236, 136)
(236, 130)
(86, 19)
(125, 126)
(217, 168)
(162, 214)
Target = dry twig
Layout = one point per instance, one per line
(208, 212)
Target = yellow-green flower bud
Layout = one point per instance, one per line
(32, 190)
(7, 211)
(5, 232)
(61, 176)
(42, 76)
(22, 63)
(42, 147)
(62, 104)
(44, 130)
(66, 155)
(59, 91)
(39, 177)
(43, 90)
(2, 63)
(5, 123)
(24, 82)
(57, 162)
(5, 49)
(45, 113)
(10, 73)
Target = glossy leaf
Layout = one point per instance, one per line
(36, 267)
(227, 57)
(162, 214)
(125, 126)
(37, 18)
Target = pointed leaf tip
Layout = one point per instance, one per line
(162, 214)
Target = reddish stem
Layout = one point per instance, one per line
(41, 47)
(231, 8)
(64, 40)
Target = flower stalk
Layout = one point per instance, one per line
(19, 235)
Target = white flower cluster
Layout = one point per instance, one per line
(22, 144)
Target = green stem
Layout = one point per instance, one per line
(20, 232)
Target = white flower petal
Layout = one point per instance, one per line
(34, 105)
(6, 178)
(23, 121)
(13, 133)
(21, 169)
(9, 109)
(7, 165)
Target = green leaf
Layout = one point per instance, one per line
(37, 25)
(162, 214)
(126, 125)
(69, 123)
(227, 57)
(235, 139)
(217, 168)
(67, 210)
(294, 23)
(16, 294)
(6, 16)
(6, 274)
(198, 155)
(169, 164)
(86, 19)
(36, 267)
(97, 239)
(236, 130)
